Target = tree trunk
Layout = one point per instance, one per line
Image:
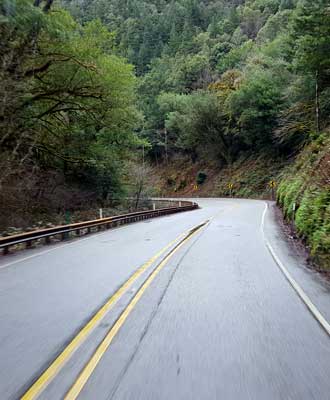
(48, 6)
(317, 102)
(166, 149)
(138, 195)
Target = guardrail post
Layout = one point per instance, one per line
(65, 235)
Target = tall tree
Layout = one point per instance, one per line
(311, 31)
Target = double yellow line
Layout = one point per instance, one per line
(50, 373)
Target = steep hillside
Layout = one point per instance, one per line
(247, 177)
(304, 195)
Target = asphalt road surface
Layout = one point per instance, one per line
(194, 307)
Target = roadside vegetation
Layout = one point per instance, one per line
(67, 114)
(304, 195)
(235, 92)
(247, 177)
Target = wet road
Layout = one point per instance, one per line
(206, 314)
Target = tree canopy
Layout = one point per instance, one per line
(186, 47)
(68, 99)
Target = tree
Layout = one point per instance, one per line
(311, 32)
(138, 183)
(254, 107)
(69, 99)
(197, 123)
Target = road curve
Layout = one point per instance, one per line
(194, 307)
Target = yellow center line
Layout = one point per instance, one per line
(49, 374)
(83, 377)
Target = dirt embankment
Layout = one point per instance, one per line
(248, 177)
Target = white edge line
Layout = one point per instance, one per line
(303, 296)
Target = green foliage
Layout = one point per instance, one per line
(180, 47)
(289, 194)
(287, 4)
(254, 107)
(312, 30)
(321, 236)
(236, 58)
(198, 123)
(280, 46)
(201, 178)
(312, 222)
(69, 98)
(306, 184)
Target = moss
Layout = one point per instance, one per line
(303, 183)
(291, 197)
(320, 239)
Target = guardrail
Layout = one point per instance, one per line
(86, 227)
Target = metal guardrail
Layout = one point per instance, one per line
(107, 223)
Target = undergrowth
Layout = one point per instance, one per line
(304, 195)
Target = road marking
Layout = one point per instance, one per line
(50, 373)
(263, 221)
(89, 368)
(303, 296)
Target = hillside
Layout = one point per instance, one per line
(101, 92)
(304, 195)
(245, 178)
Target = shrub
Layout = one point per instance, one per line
(201, 178)
(182, 184)
(170, 181)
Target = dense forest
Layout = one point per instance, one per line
(92, 87)
(223, 77)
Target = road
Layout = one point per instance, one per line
(203, 314)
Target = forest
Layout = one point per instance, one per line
(218, 78)
(92, 88)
